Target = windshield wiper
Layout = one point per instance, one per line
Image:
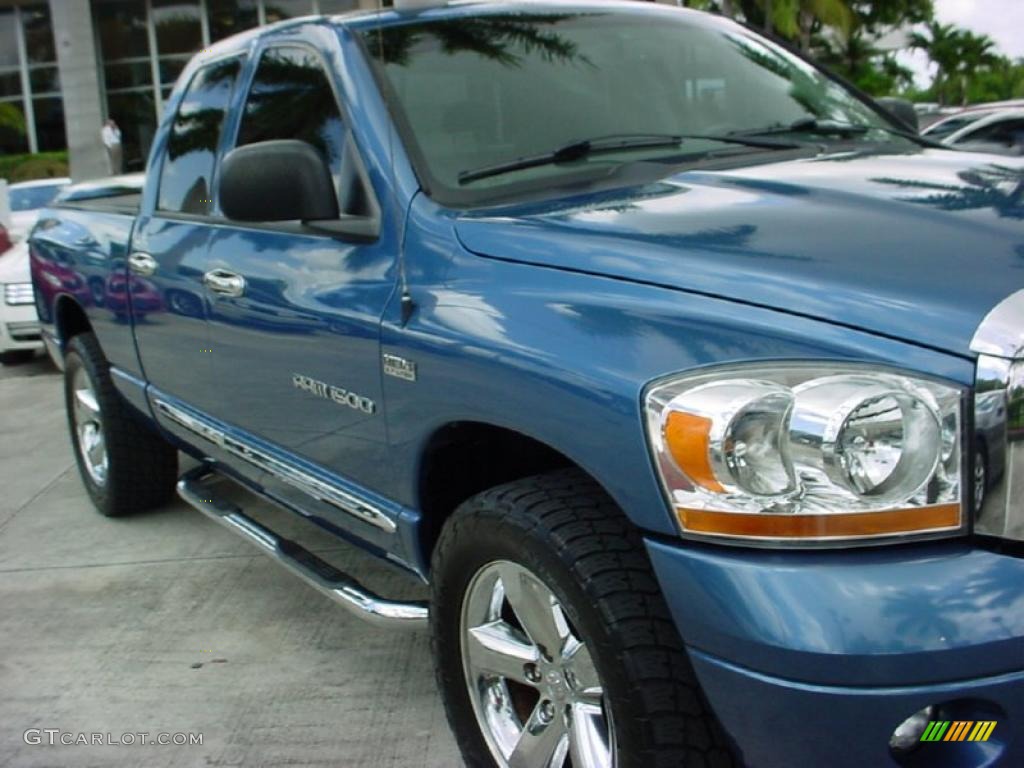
(808, 125)
(834, 128)
(578, 150)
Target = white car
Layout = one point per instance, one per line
(19, 324)
(945, 127)
(27, 197)
(1000, 133)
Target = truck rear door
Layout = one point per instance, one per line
(169, 254)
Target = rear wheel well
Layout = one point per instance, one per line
(70, 320)
(464, 458)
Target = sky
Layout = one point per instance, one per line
(1002, 20)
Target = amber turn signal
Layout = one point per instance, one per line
(938, 517)
(688, 438)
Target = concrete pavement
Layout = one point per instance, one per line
(166, 623)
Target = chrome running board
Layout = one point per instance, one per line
(338, 586)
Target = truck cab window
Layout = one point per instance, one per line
(291, 98)
(187, 176)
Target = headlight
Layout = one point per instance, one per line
(18, 293)
(795, 452)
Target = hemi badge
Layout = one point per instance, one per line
(399, 367)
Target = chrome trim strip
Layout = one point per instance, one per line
(284, 471)
(319, 574)
(1001, 333)
(190, 423)
(310, 485)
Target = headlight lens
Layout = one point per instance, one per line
(729, 436)
(797, 453)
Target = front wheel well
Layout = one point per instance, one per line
(464, 458)
(70, 320)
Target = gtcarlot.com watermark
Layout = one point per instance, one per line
(56, 737)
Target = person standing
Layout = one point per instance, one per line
(111, 136)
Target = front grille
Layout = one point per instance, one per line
(18, 293)
(24, 331)
(999, 448)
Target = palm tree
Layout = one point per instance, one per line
(958, 55)
(976, 52)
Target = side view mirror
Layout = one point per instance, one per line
(286, 180)
(277, 181)
(902, 110)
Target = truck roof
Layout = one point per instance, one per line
(370, 18)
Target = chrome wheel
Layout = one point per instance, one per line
(92, 445)
(534, 688)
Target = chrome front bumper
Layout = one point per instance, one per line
(999, 419)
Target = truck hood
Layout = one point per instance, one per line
(917, 246)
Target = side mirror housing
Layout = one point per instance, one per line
(902, 110)
(277, 181)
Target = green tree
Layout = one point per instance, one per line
(875, 17)
(799, 19)
(959, 56)
(978, 53)
(12, 119)
(998, 82)
(856, 56)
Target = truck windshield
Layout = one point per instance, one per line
(484, 91)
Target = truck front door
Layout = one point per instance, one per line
(295, 314)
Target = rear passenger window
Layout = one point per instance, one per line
(291, 98)
(187, 176)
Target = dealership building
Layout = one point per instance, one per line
(68, 65)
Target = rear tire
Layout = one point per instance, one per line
(560, 537)
(125, 465)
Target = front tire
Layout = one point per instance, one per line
(552, 642)
(125, 465)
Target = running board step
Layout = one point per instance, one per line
(340, 587)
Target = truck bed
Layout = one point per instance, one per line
(79, 252)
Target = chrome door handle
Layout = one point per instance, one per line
(225, 283)
(142, 264)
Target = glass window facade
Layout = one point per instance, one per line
(142, 46)
(31, 107)
(145, 45)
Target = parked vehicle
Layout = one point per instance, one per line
(26, 198)
(125, 189)
(19, 325)
(999, 133)
(647, 345)
(946, 127)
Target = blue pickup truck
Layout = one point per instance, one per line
(689, 379)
